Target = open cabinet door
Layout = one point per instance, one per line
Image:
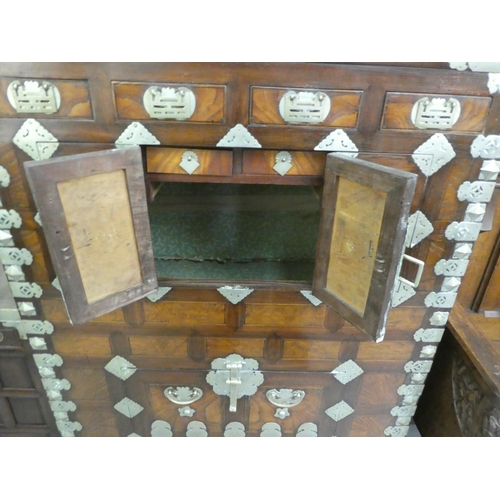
(362, 231)
(94, 214)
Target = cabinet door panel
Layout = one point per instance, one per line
(362, 229)
(94, 214)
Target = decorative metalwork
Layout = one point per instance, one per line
(283, 162)
(67, 428)
(26, 308)
(418, 228)
(410, 390)
(476, 66)
(433, 154)
(16, 256)
(53, 384)
(476, 191)
(441, 299)
(189, 162)
(347, 371)
(161, 428)
(136, 134)
(418, 366)
(486, 147)
(35, 140)
(311, 298)
(161, 292)
(418, 378)
(307, 108)
(186, 411)
(25, 290)
(238, 137)
(128, 407)
(121, 368)
(339, 411)
(439, 318)
(308, 429)
(397, 431)
(55, 283)
(235, 377)
(338, 141)
(452, 267)
(435, 113)
(271, 429)
(196, 429)
(34, 97)
(462, 251)
(418, 277)
(183, 395)
(31, 327)
(49, 360)
(38, 343)
(234, 429)
(167, 103)
(429, 335)
(451, 284)
(489, 170)
(64, 406)
(493, 82)
(234, 294)
(9, 219)
(6, 239)
(281, 413)
(475, 212)
(285, 398)
(402, 292)
(428, 351)
(404, 411)
(4, 177)
(403, 421)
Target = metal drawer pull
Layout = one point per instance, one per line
(285, 398)
(420, 271)
(183, 395)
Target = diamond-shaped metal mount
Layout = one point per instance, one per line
(128, 408)
(121, 368)
(283, 163)
(311, 298)
(234, 294)
(161, 292)
(347, 371)
(338, 141)
(134, 135)
(433, 154)
(419, 227)
(35, 140)
(189, 162)
(339, 411)
(238, 137)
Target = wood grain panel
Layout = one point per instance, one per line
(403, 318)
(380, 388)
(18, 186)
(284, 315)
(170, 347)
(86, 384)
(81, 346)
(343, 112)
(369, 426)
(167, 161)
(75, 100)
(97, 422)
(303, 163)
(210, 101)
(397, 112)
(185, 313)
(55, 312)
(40, 266)
(220, 348)
(385, 351)
(310, 349)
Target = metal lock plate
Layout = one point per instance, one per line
(283, 162)
(34, 97)
(435, 113)
(167, 103)
(189, 162)
(308, 108)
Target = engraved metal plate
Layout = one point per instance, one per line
(31, 327)
(9, 219)
(128, 407)
(238, 137)
(433, 154)
(441, 299)
(418, 366)
(451, 267)
(136, 134)
(306, 108)
(16, 256)
(121, 368)
(486, 147)
(463, 231)
(283, 162)
(34, 97)
(404, 411)
(234, 294)
(489, 170)
(285, 398)
(47, 360)
(410, 390)
(478, 191)
(339, 411)
(338, 141)
(435, 113)
(347, 371)
(25, 290)
(183, 395)
(167, 103)
(35, 140)
(189, 162)
(419, 227)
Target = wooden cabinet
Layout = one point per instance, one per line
(259, 141)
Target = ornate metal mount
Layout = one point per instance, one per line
(189, 162)
(167, 103)
(235, 377)
(338, 141)
(34, 97)
(435, 113)
(433, 154)
(285, 398)
(238, 137)
(35, 140)
(183, 395)
(307, 108)
(283, 162)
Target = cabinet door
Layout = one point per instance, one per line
(94, 213)
(362, 230)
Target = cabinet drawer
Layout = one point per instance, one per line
(208, 105)
(344, 107)
(210, 162)
(69, 99)
(303, 163)
(471, 119)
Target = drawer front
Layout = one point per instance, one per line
(344, 107)
(168, 161)
(471, 118)
(62, 99)
(208, 105)
(258, 162)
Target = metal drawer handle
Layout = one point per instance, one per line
(420, 271)
(183, 395)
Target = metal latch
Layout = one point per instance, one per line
(34, 97)
(167, 103)
(235, 377)
(437, 113)
(304, 107)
